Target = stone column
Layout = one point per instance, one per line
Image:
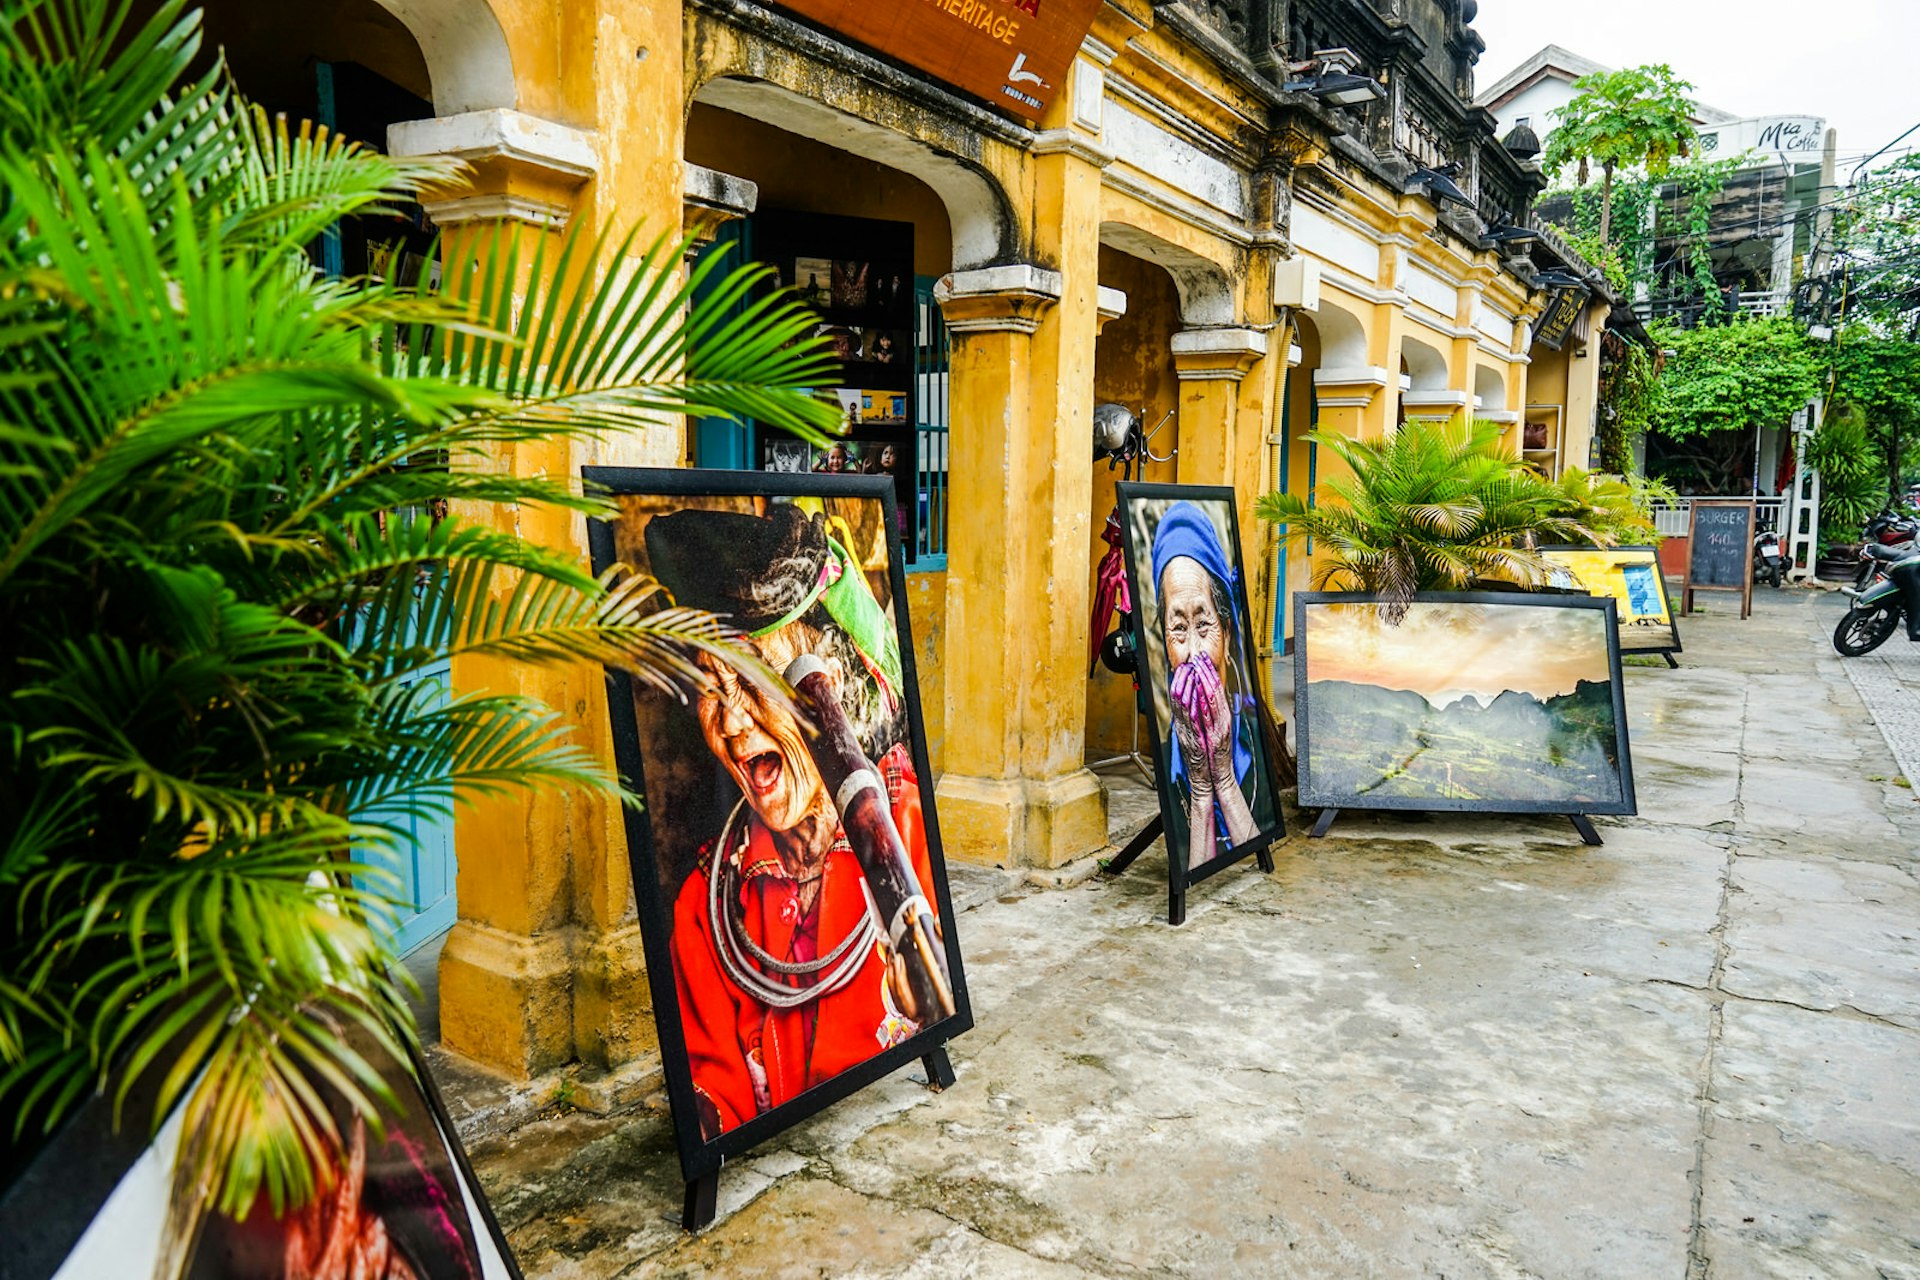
(1210, 364)
(1015, 790)
(1221, 439)
(506, 969)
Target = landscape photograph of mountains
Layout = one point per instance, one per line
(1461, 705)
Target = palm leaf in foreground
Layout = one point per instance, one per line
(220, 575)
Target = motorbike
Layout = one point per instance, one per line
(1769, 565)
(1888, 538)
(1876, 611)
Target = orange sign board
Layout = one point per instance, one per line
(1014, 53)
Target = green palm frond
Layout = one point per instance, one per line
(242, 509)
(1435, 507)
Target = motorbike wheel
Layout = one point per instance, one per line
(1777, 574)
(1864, 630)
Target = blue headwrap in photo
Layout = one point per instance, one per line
(1185, 530)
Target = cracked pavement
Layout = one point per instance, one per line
(1454, 1046)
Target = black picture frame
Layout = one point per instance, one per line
(1132, 498)
(1314, 794)
(1656, 638)
(700, 1157)
(48, 1205)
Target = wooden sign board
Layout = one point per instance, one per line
(1014, 53)
(1719, 550)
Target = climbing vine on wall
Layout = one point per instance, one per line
(1629, 394)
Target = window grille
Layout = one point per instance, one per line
(930, 348)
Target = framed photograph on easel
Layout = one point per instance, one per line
(787, 867)
(1193, 642)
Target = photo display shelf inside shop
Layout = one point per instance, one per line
(787, 866)
(856, 274)
(1485, 702)
(402, 1203)
(1198, 682)
(1632, 577)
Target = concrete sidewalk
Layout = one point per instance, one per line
(1463, 1046)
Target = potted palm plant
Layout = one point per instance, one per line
(1435, 506)
(240, 505)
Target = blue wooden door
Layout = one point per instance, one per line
(426, 865)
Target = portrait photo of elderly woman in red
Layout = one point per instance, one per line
(785, 846)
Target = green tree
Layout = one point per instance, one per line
(1878, 379)
(224, 554)
(1435, 506)
(1719, 383)
(1639, 117)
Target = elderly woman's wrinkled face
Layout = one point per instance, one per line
(758, 740)
(1189, 619)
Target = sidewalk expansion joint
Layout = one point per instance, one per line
(1699, 1263)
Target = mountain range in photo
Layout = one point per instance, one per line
(1460, 747)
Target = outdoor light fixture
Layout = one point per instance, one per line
(1554, 278)
(1508, 234)
(1334, 81)
(1440, 187)
(1339, 88)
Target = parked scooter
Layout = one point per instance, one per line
(1891, 596)
(1769, 565)
(1888, 538)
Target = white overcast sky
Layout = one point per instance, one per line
(1855, 62)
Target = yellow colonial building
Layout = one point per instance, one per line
(1189, 208)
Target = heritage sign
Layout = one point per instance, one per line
(1013, 53)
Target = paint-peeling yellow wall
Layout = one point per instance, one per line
(927, 615)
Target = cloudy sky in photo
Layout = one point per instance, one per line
(1443, 651)
(1854, 62)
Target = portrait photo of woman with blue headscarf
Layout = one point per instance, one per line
(1199, 676)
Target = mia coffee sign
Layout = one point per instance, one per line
(1013, 53)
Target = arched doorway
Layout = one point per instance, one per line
(1133, 366)
(863, 241)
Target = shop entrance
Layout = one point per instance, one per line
(862, 245)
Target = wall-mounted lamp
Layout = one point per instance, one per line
(1554, 278)
(1440, 185)
(1500, 236)
(1334, 82)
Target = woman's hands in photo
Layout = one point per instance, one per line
(1203, 722)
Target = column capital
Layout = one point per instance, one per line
(997, 299)
(1222, 354)
(711, 199)
(1110, 304)
(1353, 388)
(1075, 143)
(1429, 402)
(524, 168)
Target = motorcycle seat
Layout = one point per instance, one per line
(1875, 551)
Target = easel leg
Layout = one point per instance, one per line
(1584, 826)
(1320, 827)
(1265, 859)
(702, 1192)
(1136, 846)
(1672, 661)
(1176, 904)
(939, 1069)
